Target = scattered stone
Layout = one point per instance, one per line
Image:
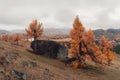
(4, 60)
(2, 71)
(34, 64)
(14, 56)
(18, 75)
(7, 78)
(21, 45)
(25, 63)
(2, 48)
(46, 71)
(16, 53)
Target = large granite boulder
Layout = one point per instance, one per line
(49, 48)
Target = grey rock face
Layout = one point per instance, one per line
(18, 75)
(50, 49)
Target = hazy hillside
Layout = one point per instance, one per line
(4, 32)
(17, 31)
(56, 31)
(47, 31)
(109, 33)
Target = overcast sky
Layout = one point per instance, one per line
(94, 14)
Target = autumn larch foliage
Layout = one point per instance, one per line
(16, 38)
(10, 37)
(83, 46)
(106, 47)
(5, 37)
(35, 29)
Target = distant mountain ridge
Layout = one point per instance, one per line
(56, 31)
(47, 31)
(4, 32)
(109, 33)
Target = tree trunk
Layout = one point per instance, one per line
(35, 38)
(17, 42)
(90, 53)
(80, 49)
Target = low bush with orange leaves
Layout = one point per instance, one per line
(77, 64)
(16, 38)
(5, 37)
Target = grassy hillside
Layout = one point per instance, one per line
(19, 63)
(109, 33)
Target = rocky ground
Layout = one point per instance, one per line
(19, 63)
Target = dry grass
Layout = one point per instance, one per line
(51, 69)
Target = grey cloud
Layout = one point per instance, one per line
(65, 16)
(104, 20)
(60, 13)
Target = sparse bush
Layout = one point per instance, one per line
(16, 38)
(5, 37)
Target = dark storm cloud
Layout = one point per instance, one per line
(59, 13)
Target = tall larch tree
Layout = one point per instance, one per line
(83, 44)
(77, 44)
(35, 29)
(76, 34)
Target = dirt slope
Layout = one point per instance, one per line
(18, 63)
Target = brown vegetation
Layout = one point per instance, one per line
(5, 37)
(35, 29)
(83, 43)
(34, 67)
(83, 47)
(16, 38)
(106, 47)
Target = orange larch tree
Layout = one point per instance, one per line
(78, 46)
(83, 46)
(76, 34)
(106, 46)
(35, 29)
(5, 37)
(92, 49)
(16, 38)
